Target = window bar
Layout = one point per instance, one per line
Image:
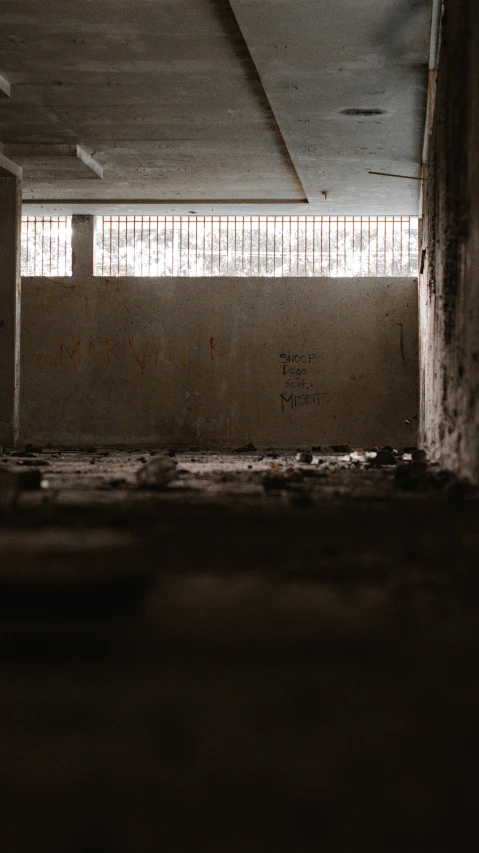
(393, 247)
(242, 245)
(400, 249)
(203, 265)
(58, 245)
(227, 226)
(234, 248)
(337, 245)
(360, 245)
(384, 257)
(369, 245)
(409, 247)
(251, 246)
(329, 245)
(378, 244)
(306, 246)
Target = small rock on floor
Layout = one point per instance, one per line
(157, 473)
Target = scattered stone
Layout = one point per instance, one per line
(91, 450)
(307, 458)
(318, 448)
(14, 482)
(168, 453)
(409, 449)
(157, 473)
(411, 476)
(388, 447)
(271, 455)
(247, 448)
(300, 499)
(39, 463)
(276, 482)
(33, 448)
(383, 457)
(341, 448)
(418, 477)
(116, 482)
(49, 446)
(418, 456)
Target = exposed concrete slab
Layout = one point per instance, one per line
(176, 107)
(44, 162)
(164, 96)
(321, 64)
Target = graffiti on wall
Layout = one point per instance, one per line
(296, 376)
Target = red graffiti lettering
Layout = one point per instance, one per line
(214, 351)
(71, 352)
(140, 361)
(110, 349)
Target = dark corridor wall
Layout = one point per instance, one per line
(449, 284)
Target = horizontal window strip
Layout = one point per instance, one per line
(46, 246)
(238, 246)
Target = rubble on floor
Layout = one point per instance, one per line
(157, 473)
(264, 654)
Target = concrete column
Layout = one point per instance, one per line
(449, 298)
(10, 235)
(82, 246)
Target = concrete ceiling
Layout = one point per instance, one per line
(210, 105)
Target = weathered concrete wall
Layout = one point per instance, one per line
(449, 300)
(10, 219)
(206, 362)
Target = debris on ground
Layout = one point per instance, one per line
(279, 480)
(306, 458)
(12, 483)
(20, 481)
(157, 473)
(247, 448)
(383, 457)
(417, 476)
(418, 455)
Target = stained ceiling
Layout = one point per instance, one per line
(281, 106)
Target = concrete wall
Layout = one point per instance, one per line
(10, 219)
(449, 287)
(219, 362)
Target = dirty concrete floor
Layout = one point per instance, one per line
(265, 655)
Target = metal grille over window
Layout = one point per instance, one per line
(46, 246)
(256, 246)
